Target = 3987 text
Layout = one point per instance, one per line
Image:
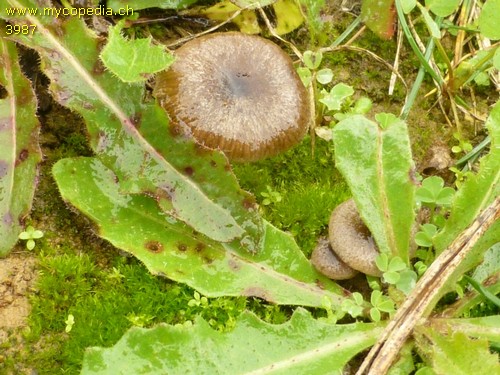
(21, 29)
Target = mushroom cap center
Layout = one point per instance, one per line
(239, 84)
(236, 92)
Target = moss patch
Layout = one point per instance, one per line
(308, 187)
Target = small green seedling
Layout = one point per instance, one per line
(332, 316)
(463, 145)
(424, 237)
(380, 304)
(139, 320)
(354, 306)
(420, 267)
(361, 106)
(30, 235)
(396, 272)
(308, 73)
(335, 103)
(270, 196)
(373, 282)
(460, 176)
(334, 98)
(390, 268)
(432, 192)
(434, 195)
(70, 321)
(425, 240)
(198, 300)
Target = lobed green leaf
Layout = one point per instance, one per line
(302, 345)
(455, 353)
(335, 98)
(125, 58)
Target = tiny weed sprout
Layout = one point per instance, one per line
(396, 272)
(463, 145)
(115, 274)
(420, 267)
(70, 321)
(270, 196)
(433, 192)
(332, 316)
(425, 236)
(30, 235)
(198, 301)
(381, 304)
(140, 320)
(460, 176)
(335, 103)
(373, 282)
(353, 306)
(434, 195)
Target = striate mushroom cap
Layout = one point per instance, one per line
(237, 93)
(351, 240)
(326, 262)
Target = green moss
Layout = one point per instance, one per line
(106, 302)
(309, 187)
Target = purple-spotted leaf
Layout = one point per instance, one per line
(302, 345)
(131, 136)
(19, 149)
(278, 273)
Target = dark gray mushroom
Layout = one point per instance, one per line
(237, 93)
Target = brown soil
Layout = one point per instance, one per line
(17, 275)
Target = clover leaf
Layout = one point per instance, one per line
(30, 235)
(432, 192)
(424, 237)
(380, 304)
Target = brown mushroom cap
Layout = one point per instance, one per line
(351, 240)
(326, 262)
(235, 92)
